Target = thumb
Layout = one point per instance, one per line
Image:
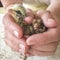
(47, 18)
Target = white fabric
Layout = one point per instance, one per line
(37, 2)
(7, 54)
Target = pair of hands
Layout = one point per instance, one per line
(37, 44)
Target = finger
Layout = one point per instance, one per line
(39, 53)
(48, 19)
(30, 16)
(43, 38)
(12, 38)
(23, 47)
(11, 45)
(29, 20)
(11, 41)
(10, 25)
(46, 47)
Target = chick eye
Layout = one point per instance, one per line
(18, 13)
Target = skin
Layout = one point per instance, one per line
(41, 44)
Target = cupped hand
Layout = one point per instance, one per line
(14, 33)
(44, 44)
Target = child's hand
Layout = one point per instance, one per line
(14, 33)
(45, 43)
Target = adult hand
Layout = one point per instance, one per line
(14, 33)
(44, 44)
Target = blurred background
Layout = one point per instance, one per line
(0, 4)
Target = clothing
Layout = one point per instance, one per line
(36, 4)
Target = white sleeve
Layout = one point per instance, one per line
(38, 2)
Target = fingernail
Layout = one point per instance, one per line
(15, 33)
(22, 49)
(21, 46)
